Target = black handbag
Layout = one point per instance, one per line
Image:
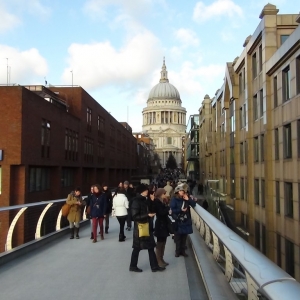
(170, 225)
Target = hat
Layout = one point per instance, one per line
(159, 192)
(182, 187)
(126, 182)
(141, 188)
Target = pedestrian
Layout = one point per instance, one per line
(76, 204)
(109, 200)
(168, 188)
(161, 225)
(120, 206)
(129, 193)
(205, 204)
(180, 206)
(98, 210)
(142, 238)
(88, 211)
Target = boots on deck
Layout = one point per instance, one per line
(72, 233)
(77, 233)
(159, 253)
(163, 253)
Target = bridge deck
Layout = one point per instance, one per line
(78, 269)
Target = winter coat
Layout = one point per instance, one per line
(98, 205)
(120, 205)
(139, 211)
(130, 194)
(109, 200)
(88, 201)
(162, 219)
(176, 205)
(75, 209)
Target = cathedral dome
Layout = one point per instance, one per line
(164, 89)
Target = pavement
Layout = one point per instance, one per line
(79, 269)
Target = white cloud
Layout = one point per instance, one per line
(25, 67)
(228, 8)
(187, 37)
(100, 64)
(8, 20)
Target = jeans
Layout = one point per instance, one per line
(180, 241)
(95, 225)
(129, 219)
(122, 220)
(106, 221)
(135, 258)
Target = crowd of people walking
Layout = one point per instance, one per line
(158, 210)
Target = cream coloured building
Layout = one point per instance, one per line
(250, 138)
(164, 119)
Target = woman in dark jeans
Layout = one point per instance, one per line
(98, 210)
(120, 206)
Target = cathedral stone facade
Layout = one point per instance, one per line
(164, 119)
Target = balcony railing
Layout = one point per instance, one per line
(246, 269)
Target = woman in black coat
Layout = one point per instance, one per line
(161, 225)
(141, 214)
(109, 200)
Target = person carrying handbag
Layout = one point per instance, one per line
(142, 237)
(180, 207)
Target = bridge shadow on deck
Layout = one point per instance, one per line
(78, 269)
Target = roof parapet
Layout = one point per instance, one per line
(269, 10)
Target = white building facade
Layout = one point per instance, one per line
(164, 119)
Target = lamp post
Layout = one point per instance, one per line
(7, 70)
(72, 77)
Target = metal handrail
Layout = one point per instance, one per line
(263, 276)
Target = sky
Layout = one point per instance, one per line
(114, 49)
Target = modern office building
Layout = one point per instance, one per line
(250, 138)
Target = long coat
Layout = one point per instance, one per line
(139, 211)
(176, 205)
(98, 205)
(162, 219)
(109, 200)
(75, 209)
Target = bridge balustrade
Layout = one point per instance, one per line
(246, 269)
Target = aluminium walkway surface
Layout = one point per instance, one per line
(78, 269)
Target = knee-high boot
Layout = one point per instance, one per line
(159, 246)
(72, 233)
(163, 253)
(77, 232)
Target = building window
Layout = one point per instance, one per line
(169, 140)
(242, 160)
(45, 138)
(0, 180)
(257, 235)
(39, 179)
(244, 115)
(88, 149)
(278, 249)
(241, 117)
(261, 102)
(246, 152)
(254, 66)
(67, 177)
(71, 145)
(242, 189)
(263, 193)
(275, 91)
(256, 149)
(89, 119)
(260, 63)
(287, 141)
(255, 108)
(263, 239)
(246, 189)
(277, 196)
(286, 86)
(242, 81)
(100, 152)
(289, 258)
(256, 191)
(283, 38)
(262, 147)
(276, 141)
(298, 75)
(288, 199)
(298, 138)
